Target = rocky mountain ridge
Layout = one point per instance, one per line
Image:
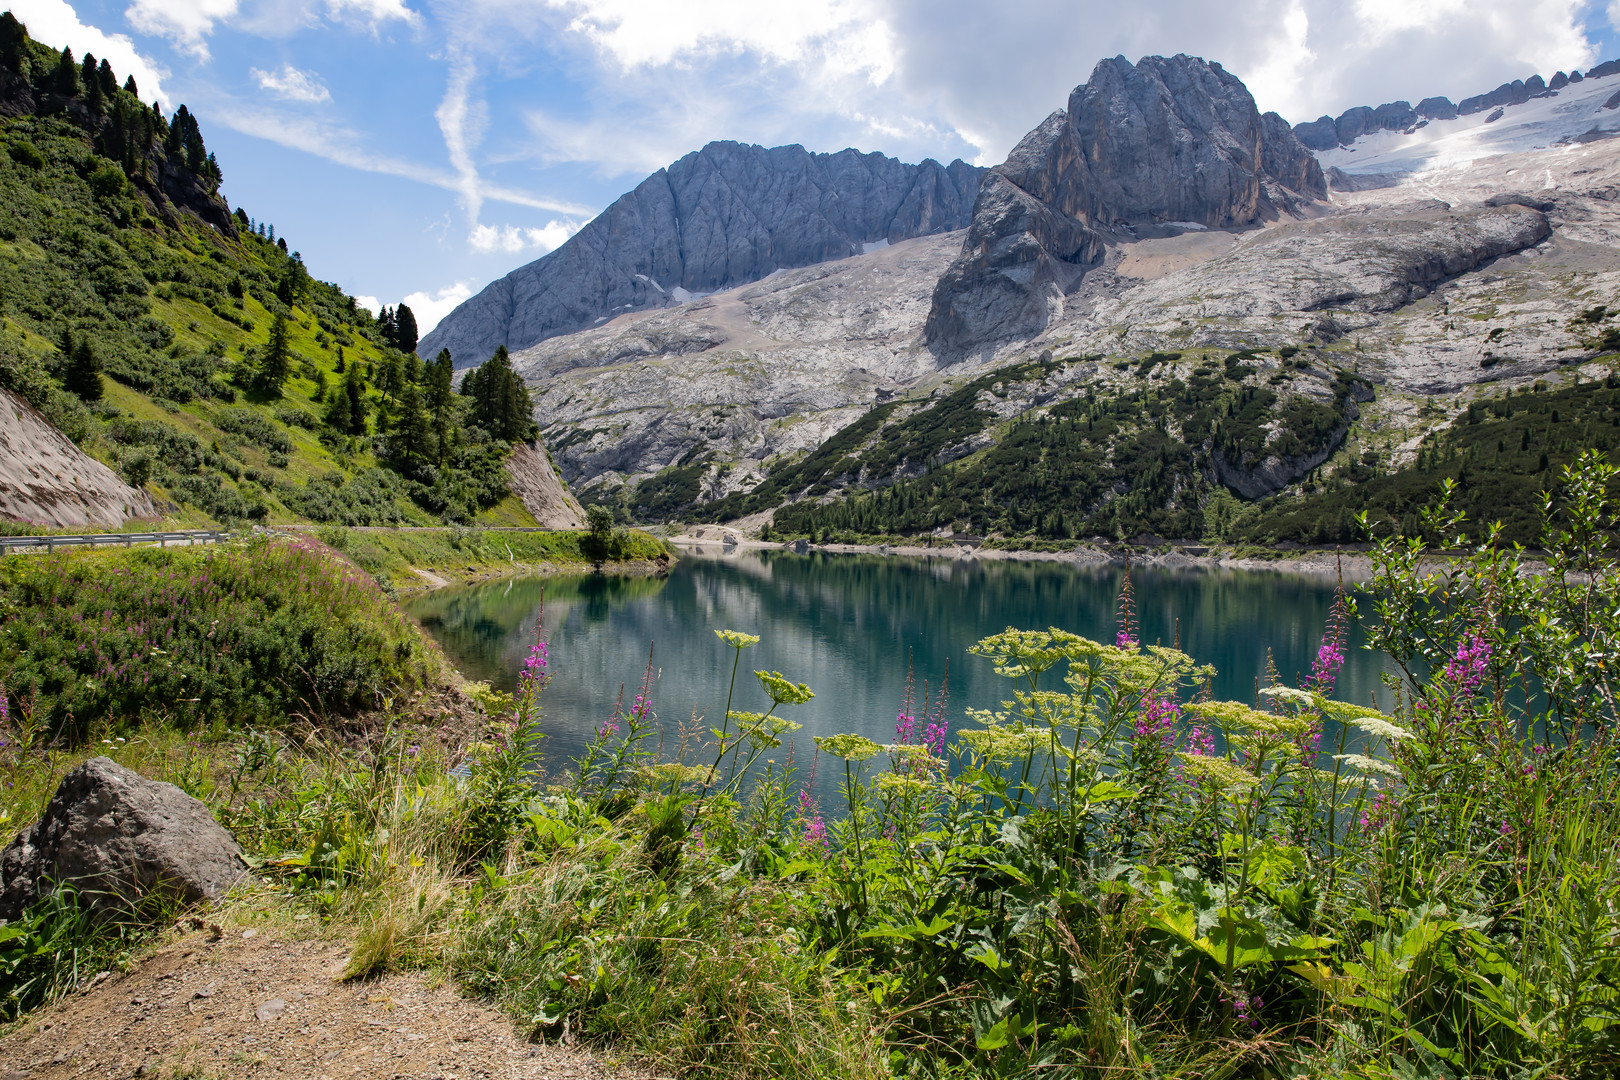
(723, 216)
(1329, 133)
(1172, 141)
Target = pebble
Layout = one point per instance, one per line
(271, 1009)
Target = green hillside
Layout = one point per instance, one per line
(1165, 445)
(187, 346)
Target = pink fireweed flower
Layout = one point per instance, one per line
(1157, 720)
(1466, 670)
(1375, 814)
(934, 737)
(905, 727)
(1126, 637)
(1201, 742)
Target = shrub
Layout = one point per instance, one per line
(244, 633)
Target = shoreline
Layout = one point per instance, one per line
(432, 579)
(1356, 565)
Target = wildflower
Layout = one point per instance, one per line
(1201, 742)
(1126, 638)
(815, 832)
(781, 690)
(1467, 668)
(1157, 721)
(737, 640)
(849, 747)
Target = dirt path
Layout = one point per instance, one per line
(261, 1006)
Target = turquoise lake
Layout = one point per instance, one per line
(847, 624)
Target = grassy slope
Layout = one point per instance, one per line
(155, 298)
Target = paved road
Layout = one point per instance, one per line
(10, 544)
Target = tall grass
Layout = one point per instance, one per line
(244, 633)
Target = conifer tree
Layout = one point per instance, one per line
(130, 88)
(355, 390)
(320, 386)
(501, 402)
(404, 329)
(277, 362)
(106, 78)
(338, 416)
(82, 373)
(66, 81)
(411, 428)
(440, 375)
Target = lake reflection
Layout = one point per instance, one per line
(846, 624)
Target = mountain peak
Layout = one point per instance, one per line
(1167, 141)
(725, 215)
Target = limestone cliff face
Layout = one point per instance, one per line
(1160, 142)
(532, 479)
(726, 215)
(46, 480)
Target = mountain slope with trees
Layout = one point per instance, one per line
(188, 347)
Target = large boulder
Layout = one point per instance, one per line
(117, 837)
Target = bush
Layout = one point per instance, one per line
(250, 633)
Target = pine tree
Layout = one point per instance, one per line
(82, 375)
(294, 283)
(404, 329)
(277, 362)
(130, 88)
(385, 325)
(338, 416)
(66, 81)
(411, 428)
(440, 375)
(108, 80)
(355, 390)
(320, 386)
(501, 402)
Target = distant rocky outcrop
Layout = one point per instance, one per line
(46, 480)
(1164, 141)
(726, 215)
(116, 837)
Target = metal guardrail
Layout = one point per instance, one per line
(161, 539)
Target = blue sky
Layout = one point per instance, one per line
(417, 149)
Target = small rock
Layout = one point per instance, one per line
(205, 992)
(250, 933)
(271, 1009)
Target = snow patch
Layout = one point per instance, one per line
(1193, 226)
(1561, 118)
(879, 245)
(681, 295)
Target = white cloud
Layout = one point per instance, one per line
(187, 23)
(654, 32)
(371, 303)
(429, 308)
(372, 11)
(512, 239)
(56, 23)
(991, 72)
(292, 84)
(345, 147)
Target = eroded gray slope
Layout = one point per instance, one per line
(723, 216)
